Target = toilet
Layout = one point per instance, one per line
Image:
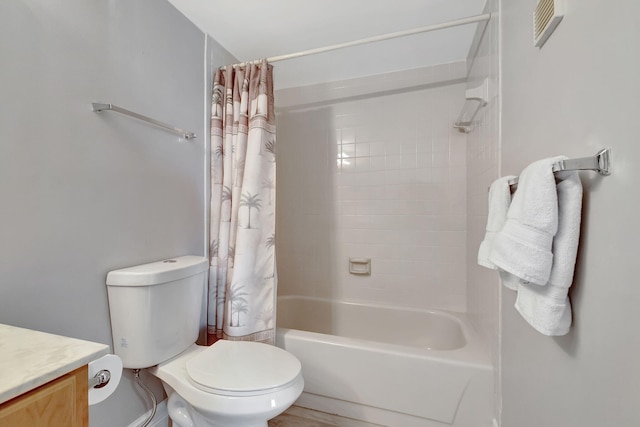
(155, 319)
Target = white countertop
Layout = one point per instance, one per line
(29, 359)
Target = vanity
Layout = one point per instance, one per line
(44, 378)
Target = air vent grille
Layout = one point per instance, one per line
(546, 18)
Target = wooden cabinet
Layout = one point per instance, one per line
(61, 402)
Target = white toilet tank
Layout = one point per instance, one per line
(155, 309)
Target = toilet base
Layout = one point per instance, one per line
(184, 415)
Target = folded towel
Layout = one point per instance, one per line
(547, 308)
(509, 280)
(523, 246)
(499, 201)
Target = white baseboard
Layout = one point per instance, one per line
(160, 419)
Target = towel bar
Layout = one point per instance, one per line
(600, 162)
(98, 107)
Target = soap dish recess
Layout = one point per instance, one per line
(360, 266)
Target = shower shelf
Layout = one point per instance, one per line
(476, 98)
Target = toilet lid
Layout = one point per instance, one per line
(240, 366)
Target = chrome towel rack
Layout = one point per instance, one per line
(98, 107)
(600, 162)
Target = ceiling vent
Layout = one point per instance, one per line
(546, 18)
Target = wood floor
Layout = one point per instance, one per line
(302, 417)
(286, 420)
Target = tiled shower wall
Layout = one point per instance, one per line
(372, 168)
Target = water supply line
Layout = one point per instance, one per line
(136, 373)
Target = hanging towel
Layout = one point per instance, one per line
(499, 201)
(523, 246)
(509, 280)
(547, 308)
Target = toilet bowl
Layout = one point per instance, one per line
(155, 321)
(231, 383)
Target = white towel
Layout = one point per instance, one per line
(547, 308)
(499, 201)
(509, 280)
(523, 246)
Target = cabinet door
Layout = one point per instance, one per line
(61, 402)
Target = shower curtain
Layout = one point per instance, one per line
(242, 275)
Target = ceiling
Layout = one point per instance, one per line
(254, 29)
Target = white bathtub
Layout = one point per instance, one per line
(386, 365)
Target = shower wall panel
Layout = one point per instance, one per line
(379, 175)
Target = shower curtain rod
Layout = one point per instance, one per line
(443, 25)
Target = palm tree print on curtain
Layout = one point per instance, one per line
(250, 201)
(242, 280)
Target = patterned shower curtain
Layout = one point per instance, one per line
(242, 279)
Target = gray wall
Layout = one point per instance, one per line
(578, 93)
(84, 193)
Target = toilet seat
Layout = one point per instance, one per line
(241, 368)
(243, 405)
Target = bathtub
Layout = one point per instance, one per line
(386, 365)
